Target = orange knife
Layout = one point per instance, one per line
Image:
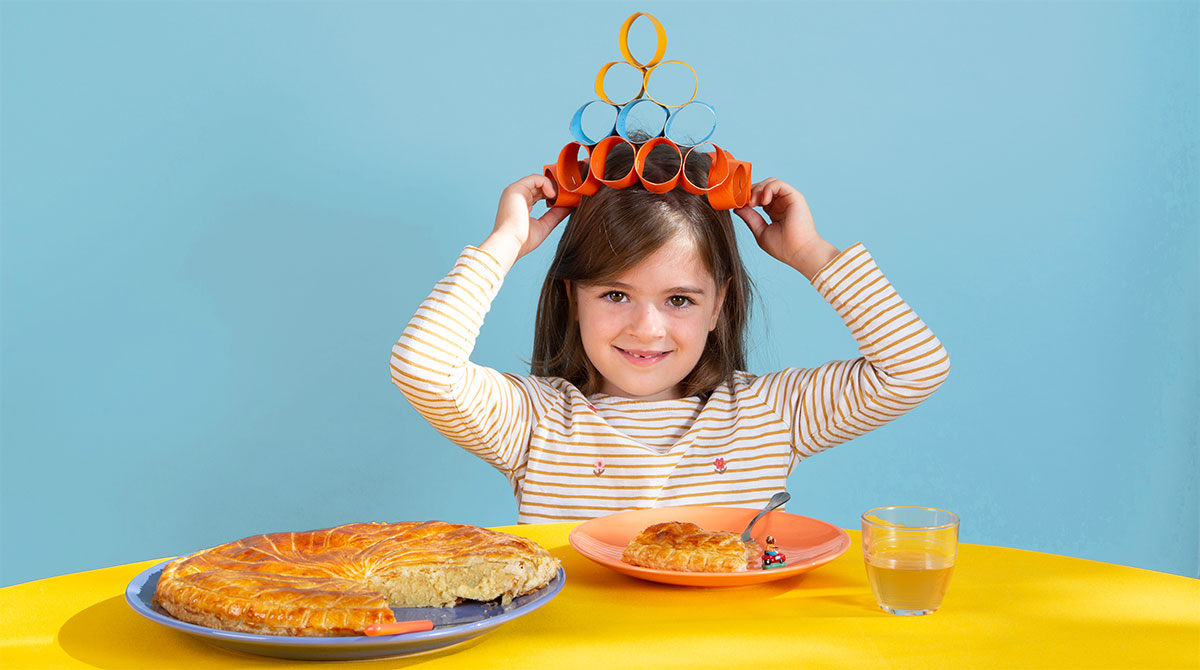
(399, 627)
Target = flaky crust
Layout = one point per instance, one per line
(686, 547)
(336, 581)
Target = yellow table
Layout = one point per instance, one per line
(1006, 608)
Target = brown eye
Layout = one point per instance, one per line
(679, 301)
(614, 296)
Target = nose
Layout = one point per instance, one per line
(647, 323)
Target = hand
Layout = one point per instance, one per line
(790, 236)
(516, 232)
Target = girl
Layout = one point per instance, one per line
(638, 395)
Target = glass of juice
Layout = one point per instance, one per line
(910, 554)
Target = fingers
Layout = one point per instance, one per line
(772, 190)
(754, 221)
(532, 188)
(545, 188)
(762, 193)
(554, 216)
(778, 200)
(539, 187)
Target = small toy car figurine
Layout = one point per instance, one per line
(772, 557)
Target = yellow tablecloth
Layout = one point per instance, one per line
(1006, 608)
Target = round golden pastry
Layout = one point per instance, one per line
(337, 581)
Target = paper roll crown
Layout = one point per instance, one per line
(728, 183)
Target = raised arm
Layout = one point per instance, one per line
(480, 409)
(902, 362)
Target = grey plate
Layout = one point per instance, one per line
(453, 625)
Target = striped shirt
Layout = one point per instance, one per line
(570, 456)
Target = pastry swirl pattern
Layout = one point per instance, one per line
(683, 546)
(336, 581)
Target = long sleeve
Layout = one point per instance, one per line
(571, 457)
(902, 361)
(482, 410)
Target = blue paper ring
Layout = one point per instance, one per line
(577, 124)
(671, 119)
(623, 115)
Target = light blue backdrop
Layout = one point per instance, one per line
(217, 218)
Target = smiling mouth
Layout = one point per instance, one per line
(643, 357)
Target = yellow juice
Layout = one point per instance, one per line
(909, 580)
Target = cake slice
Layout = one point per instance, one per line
(686, 547)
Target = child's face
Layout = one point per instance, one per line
(645, 330)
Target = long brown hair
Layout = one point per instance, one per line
(614, 230)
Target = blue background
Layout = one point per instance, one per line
(217, 218)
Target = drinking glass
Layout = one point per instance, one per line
(910, 554)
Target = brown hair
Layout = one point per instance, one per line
(614, 230)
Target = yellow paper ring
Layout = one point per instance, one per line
(604, 72)
(650, 71)
(660, 48)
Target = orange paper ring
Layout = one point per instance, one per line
(718, 170)
(650, 71)
(562, 197)
(600, 83)
(640, 163)
(734, 192)
(570, 171)
(743, 181)
(600, 157)
(660, 45)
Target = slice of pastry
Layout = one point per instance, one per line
(336, 581)
(686, 547)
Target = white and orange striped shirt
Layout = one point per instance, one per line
(572, 457)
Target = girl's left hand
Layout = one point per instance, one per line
(790, 236)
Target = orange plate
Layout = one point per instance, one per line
(807, 543)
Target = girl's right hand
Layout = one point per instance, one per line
(516, 232)
(788, 234)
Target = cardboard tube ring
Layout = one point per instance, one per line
(640, 163)
(729, 179)
(577, 123)
(570, 171)
(660, 46)
(650, 71)
(562, 197)
(718, 169)
(600, 157)
(623, 118)
(742, 183)
(734, 192)
(600, 76)
(672, 117)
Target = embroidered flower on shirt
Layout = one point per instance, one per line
(719, 466)
(598, 468)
